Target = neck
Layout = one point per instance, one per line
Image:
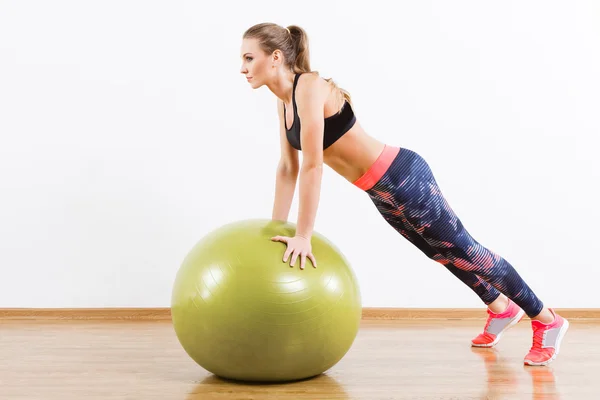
(283, 85)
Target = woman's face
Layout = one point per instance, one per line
(256, 65)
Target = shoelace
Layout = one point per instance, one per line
(538, 336)
(491, 316)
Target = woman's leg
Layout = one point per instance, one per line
(408, 195)
(486, 292)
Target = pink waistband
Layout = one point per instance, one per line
(376, 171)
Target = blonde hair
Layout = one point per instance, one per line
(293, 43)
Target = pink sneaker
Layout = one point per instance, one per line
(546, 340)
(496, 325)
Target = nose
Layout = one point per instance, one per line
(243, 69)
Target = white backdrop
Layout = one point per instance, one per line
(127, 133)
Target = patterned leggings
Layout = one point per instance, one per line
(409, 199)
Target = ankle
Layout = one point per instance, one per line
(499, 305)
(545, 316)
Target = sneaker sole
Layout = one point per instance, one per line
(559, 338)
(512, 323)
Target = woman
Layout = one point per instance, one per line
(316, 117)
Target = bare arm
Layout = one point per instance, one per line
(310, 104)
(286, 175)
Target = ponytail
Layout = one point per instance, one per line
(300, 62)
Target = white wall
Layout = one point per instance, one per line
(127, 133)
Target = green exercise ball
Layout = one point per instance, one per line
(241, 313)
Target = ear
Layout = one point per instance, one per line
(277, 58)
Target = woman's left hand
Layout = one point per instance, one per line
(297, 246)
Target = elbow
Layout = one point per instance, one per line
(313, 160)
(288, 170)
(312, 165)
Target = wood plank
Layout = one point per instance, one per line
(390, 360)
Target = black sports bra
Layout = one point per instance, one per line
(335, 126)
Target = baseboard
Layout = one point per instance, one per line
(86, 313)
(369, 313)
(461, 313)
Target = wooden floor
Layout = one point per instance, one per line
(389, 360)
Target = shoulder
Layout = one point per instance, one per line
(311, 88)
(310, 82)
